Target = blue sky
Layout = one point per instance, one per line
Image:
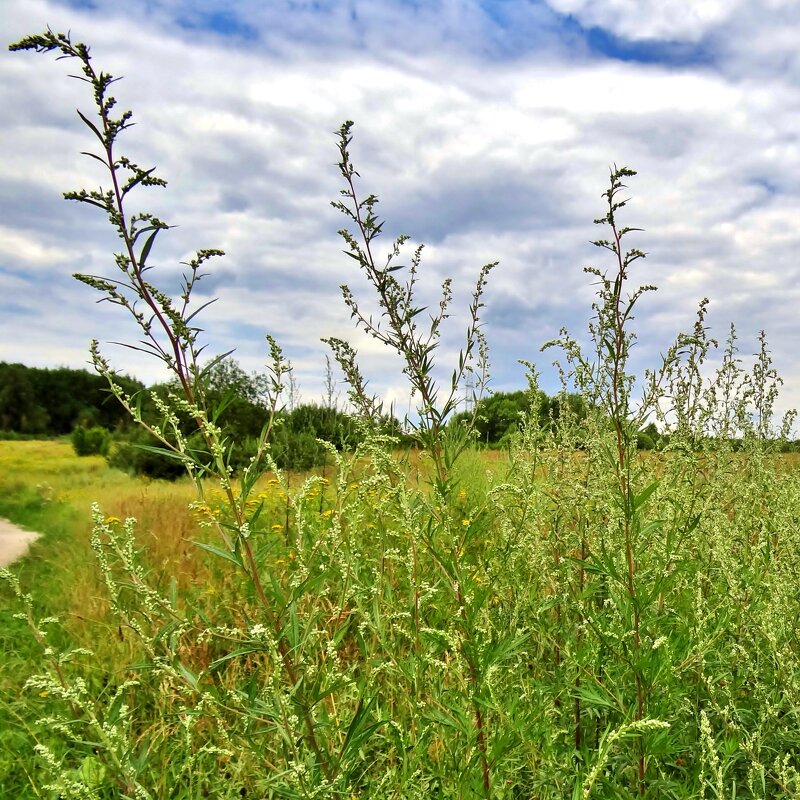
(486, 127)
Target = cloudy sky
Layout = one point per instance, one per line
(486, 127)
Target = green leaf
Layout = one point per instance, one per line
(597, 697)
(242, 651)
(455, 719)
(92, 772)
(95, 157)
(651, 527)
(224, 402)
(92, 126)
(198, 310)
(640, 499)
(358, 732)
(234, 558)
(190, 677)
(161, 451)
(214, 361)
(147, 246)
(256, 514)
(112, 715)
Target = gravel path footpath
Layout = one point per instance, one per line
(14, 542)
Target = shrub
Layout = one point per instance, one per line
(142, 453)
(297, 450)
(93, 441)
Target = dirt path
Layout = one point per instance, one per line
(14, 542)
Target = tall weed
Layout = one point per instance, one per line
(597, 621)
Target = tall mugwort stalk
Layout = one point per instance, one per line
(414, 334)
(170, 333)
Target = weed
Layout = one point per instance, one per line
(591, 620)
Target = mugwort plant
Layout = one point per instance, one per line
(591, 620)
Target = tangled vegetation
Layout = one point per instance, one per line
(592, 621)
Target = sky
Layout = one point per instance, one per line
(487, 128)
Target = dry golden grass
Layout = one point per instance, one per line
(56, 490)
(48, 488)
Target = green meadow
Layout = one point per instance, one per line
(540, 564)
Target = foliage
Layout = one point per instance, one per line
(297, 443)
(598, 621)
(230, 392)
(139, 453)
(305, 435)
(14, 436)
(53, 401)
(500, 415)
(90, 441)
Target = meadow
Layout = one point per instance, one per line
(576, 619)
(533, 540)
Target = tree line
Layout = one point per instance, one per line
(498, 416)
(42, 402)
(38, 401)
(47, 402)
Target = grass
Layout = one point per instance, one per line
(45, 487)
(726, 672)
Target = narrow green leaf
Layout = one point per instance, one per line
(256, 514)
(221, 552)
(162, 451)
(640, 499)
(242, 651)
(147, 246)
(190, 677)
(198, 310)
(91, 126)
(357, 731)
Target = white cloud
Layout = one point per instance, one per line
(16, 246)
(484, 157)
(671, 20)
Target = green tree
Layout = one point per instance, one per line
(20, 410)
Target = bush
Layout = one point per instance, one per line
(297, 450)
(90, 441)
(133, 454)
(15, 436)
(295, 443)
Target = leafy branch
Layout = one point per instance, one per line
(399, 321)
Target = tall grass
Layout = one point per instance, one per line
(589, 621)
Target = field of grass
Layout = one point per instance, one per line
(45, 487)
(548, 621)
